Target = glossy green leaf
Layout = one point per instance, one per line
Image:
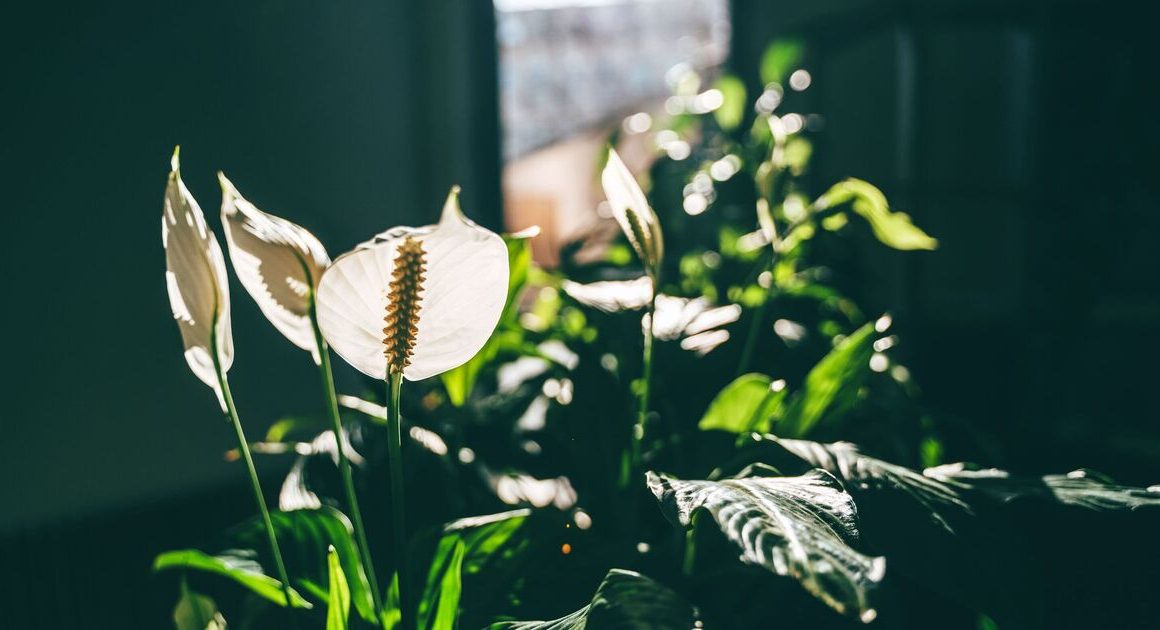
(197, 612)
(831, 387)
(338, 599)
(467, 546)
(747, 404)
(625, 600)
(779, 59)
(893, 229)
(240, 566)
(732, 110)
(1079, 488)
(860, 472)
(801, 527)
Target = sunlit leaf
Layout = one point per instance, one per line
(832, 385)
(240, 566)
(796, 526)
(747, 404)
(195, 276)
(779, 59)
(197, 612)
(625, 600)
(338, 598)
(732, 110)
(467, 546)
(611, 296)
(278, 262)
(892, 228)
(862, 472)
(1079, 488)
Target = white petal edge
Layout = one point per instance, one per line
(462, 299)
(624, 195)
(195, 277)
(278, 262)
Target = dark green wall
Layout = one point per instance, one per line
(318, 111)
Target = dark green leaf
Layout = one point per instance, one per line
(831, 387)
(796, 526)
(466, 547)
(745, 405)
(894, 229)
(625, 600)
(1079, 488)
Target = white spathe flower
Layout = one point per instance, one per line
(632, 212)
(195, 274)
(278, 262)
(424, 300)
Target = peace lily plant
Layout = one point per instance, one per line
(413, 303)
(199, 295)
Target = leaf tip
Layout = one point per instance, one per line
(175, 159)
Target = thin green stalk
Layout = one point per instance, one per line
(244, 447)
(398, 520)
(344, 466)
(638, 431)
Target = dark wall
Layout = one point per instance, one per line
(313, 109)
(1021, 134)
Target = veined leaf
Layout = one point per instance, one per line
(832, 385)
(1079, 488)
(625, 600)
(237, 565)
(338, 600)
(796, 526)
(894, 229)
(862, 472)
(747, 404)
(195, 611)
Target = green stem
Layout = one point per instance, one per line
(244, 447)
(398, 520)
(344, 466)
(638, 431)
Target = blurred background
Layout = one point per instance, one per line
(1020, 133)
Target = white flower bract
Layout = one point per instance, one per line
(278, 262)
(632, 212)
(461, 296)
(195, 275)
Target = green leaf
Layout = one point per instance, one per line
(732, 110)
(779, 59)
(460, 381)
(1080, 488)
(238, 565)
(625, 600)
(831, 387)
(467, 546)
(893, 229)
(338, 601)
(796, 526)
(197, 612)
(747, 404)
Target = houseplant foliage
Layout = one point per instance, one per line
(693, 423)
